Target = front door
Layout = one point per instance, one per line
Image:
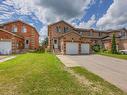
(27, 44)
(55, 44)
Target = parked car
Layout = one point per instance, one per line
(123, 51)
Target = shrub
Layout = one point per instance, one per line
(96, 48)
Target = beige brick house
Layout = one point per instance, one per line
(66, 39)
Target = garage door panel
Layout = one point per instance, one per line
(72, 48)
(5, 47)
(85, 48)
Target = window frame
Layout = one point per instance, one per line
(24, 29)
(14, 28)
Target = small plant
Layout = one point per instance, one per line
(96, 48)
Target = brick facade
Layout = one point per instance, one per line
(19, 37)
(80, 36)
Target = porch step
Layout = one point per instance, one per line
(24, 50)
(57, 51)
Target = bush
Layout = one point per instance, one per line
(96, 48)
(39, 50)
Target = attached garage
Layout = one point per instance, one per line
(72, 48)
(85, 48)
(5, 47)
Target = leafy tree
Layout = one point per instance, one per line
(45, 42)
(114, 50)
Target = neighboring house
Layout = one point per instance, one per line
(66, 39)
(16, 36)
(121, 39)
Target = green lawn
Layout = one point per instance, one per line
(120, 56)
(96, 82)
(44, 74)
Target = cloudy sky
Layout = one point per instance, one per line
(97, 14)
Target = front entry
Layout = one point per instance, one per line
(26, 44)
(55, 44)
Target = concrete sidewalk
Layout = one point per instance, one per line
(8, 58)
(111, 69)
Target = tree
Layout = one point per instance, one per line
(45, 42)
(114, 50)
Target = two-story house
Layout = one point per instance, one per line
(16, 36)
(66, 39)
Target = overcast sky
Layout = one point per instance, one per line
(97, 14)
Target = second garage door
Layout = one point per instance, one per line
(85, 48)
(72, 48)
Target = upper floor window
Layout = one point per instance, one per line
(123, 34)
(100, 34)
(81, 33)
(24, 29)
(66, 29)
(58, 29)
(14, 28)
(90, 33)
(5, 27)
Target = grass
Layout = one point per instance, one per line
(119, 56)
(98, 83)
(43, 74)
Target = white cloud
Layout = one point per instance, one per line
(64, 9)
(87, 24)
(115, 17)
(46, 13)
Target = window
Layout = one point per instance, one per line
(55, 41)
(123, 34)
(5, 27)
(58, 29)
(24, 29)
(14, 28)
(66, 29)
(27, 41)
(81, 33)
(100, 34)
(90, 33)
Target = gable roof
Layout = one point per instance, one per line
(69, 33)
(62, 21)
(11, 33)
(21, 22)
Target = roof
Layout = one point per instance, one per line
(70, 32)
(110, 37)
(21, 22)
(81, 30)
(11, 33)
(60, 22)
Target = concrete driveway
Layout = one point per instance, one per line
(111, 69)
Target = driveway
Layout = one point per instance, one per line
(111, 69)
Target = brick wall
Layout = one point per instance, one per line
(17, 42)
(31, 33)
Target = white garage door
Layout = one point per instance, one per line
(5, 47)
(72, 48)
(85, 48)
